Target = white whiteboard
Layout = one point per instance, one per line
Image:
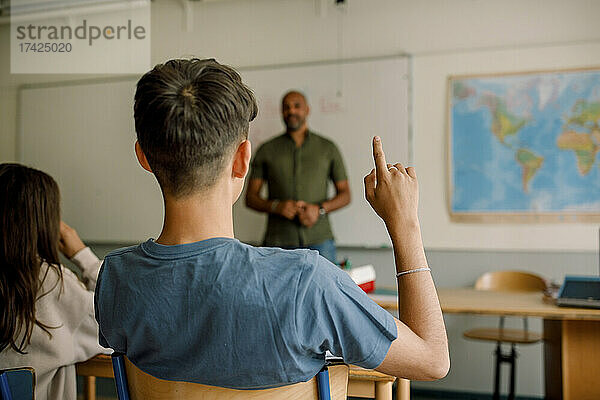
(83, 135)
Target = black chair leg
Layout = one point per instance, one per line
(497, 372)
(513, 367)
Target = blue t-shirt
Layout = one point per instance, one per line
(222, 313)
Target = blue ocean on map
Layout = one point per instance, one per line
(526, 143)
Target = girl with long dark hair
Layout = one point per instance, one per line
(46, 313)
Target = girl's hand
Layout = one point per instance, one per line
(70, 243)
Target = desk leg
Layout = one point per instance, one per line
(572, 359)
(553, 359)
(383, 390)
(89, 388)
(581, 359)
(403, 389)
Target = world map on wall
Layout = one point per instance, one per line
(525, 144)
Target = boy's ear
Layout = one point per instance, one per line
(142, 157)
(241, 160)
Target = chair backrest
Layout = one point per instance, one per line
(17, 383)
(510, 281)
(140, 385)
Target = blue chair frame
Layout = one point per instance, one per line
(5, 391)
(123, 392)
(120, 376)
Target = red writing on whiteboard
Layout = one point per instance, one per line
(328, 106)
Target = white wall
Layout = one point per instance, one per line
(445, 37)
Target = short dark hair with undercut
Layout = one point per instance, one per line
(190, 115)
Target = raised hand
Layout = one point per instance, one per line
(392, 190)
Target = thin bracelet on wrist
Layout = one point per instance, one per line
(410, 271)
(274, 205)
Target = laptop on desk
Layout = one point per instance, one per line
(579, 291)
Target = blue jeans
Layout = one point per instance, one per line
(326, 249)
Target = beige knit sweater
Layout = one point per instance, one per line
(75, 338)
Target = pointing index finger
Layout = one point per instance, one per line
(379, 157)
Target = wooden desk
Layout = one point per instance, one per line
(571, 335)
(97, 366)
(361, 382)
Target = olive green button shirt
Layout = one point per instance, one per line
(297, 173)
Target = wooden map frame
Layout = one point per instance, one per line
(509, 216)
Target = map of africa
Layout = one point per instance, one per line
(526, 144)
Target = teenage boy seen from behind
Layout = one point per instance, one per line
(197, 305)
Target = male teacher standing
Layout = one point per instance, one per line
(297, 167)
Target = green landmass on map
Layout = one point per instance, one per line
(504, 123)
(531, 163)
(584, 147)
(586, 114)
(462, 91)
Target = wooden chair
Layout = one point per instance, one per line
(367, 383)
(133, 383)
(17, 384)
(507, 281)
